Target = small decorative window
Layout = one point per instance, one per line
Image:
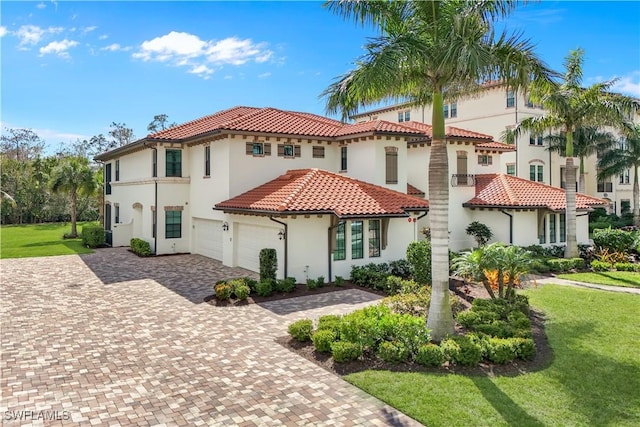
(288, 150)
(318, 152)
(258, 149)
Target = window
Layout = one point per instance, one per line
(535, 139)
(485, 160)
(173, 163)
(454, 110)
(404, 116)
(343, 158)
(107, 178)
(552, 228)
(107, 217)
(340, 253)
(154, 163)
(288, 150)
(173, 224)
(604, 187)
(536, 173)
(542, 238)
(207, 160)
(374, 238)
(446, 111)
(563, 228)
(511, 99)
(407, 116)
(391, 165)
(511, 169)
(258, 149)
(625, 206)
(117, 214)
(357, 249)
(461, 168)
(117, 170)
(624, 177)
(400, 117)
(154, 223)
(450, 110)
(318, 152)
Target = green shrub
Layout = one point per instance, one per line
(286, 285)
(393, 352)
(264, 288)
(223, 291)
(562, 265)
(300, 330)
(525, 348)
(93, 235)
(344, 351)
(320, 281)
(501, 350)
(339, 281)
(597, 265)
(498, 317)
(311, 284)
(140, 247)
(461, 350)
(430, 355)
(414, 304)
(268, 264)
(251, 283)
(614, 240)
(240, 289)
(626, 266)
(330, 322)
(322, 340)
(400, 268)
(370, 275)
(409, 330)
(480, 232)
(364, 327)
(419, 256)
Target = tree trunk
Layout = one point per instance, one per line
(636, 198)
(74, 201)
(440, 317)
(489, 289)
(582, 179)
(571, 251)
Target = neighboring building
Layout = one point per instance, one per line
(497, 109)
(326, 195)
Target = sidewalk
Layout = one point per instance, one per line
(565, 282)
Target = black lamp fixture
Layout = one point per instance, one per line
(281, 235)
(225, 226)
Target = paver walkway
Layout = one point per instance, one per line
(111, 339)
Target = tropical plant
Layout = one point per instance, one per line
(587, 141)
(73, 176)
(428, 51)
(622, 158)
(568, 106)
(480, 232)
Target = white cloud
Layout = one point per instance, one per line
(3, 31)
(114, 47)
(86, 30)
(264, 75)
(29, 35)
(41, 5)
(103, 37)
(59, 48)
(184, 49)
(629, 84)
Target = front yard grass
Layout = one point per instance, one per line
(593, 379)
(628, 279)
(37, 240)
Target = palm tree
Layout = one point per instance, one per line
(618, 160)
(587, 142)
(73, 176)
(569, 107)
(428, 51)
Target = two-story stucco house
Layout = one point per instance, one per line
(326, 195)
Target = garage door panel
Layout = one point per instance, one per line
(251, 240)
(208, 238)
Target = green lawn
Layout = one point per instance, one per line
(593, 380)
(627, 279)
(20, 241)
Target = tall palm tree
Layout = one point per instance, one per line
(569, 107)
(73, 176)
(618, 160)
(428, 51)
(587, 141)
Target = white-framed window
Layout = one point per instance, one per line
(450, 110)
(624, 176)
(511, 169)
(511, 99)
(485, 160)
(536, 173)
(535, 139)
(404, 116)
(343, 158)
(288, 150)
(258, 149)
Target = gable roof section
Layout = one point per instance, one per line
(414, 191)
(202, 125)
(450, 131)
(495, 146)
(315, 191)
(507, 191)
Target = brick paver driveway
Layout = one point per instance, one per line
(111, 339)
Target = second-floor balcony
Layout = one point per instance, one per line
(463, 180)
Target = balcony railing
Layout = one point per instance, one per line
(463, 180)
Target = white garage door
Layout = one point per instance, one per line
(208, 238)
(252, 239)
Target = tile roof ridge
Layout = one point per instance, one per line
(504, 181)
(238, 119)
(199, 119)
(451, 129)
(307, 176)
(312, 116)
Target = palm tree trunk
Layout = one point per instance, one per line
(74, 202)
(581, 180)
(636, 198)
(440, 317)
(571, 251)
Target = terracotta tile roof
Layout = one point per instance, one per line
(319, 191)
(450, 131)
(272, 120)
(506, 191)
(413, 191)
(494, 145)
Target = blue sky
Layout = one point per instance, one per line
(69, 69)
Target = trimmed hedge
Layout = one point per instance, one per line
(93, 235)
(301, 329)
(268, 264)
(140, 247)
